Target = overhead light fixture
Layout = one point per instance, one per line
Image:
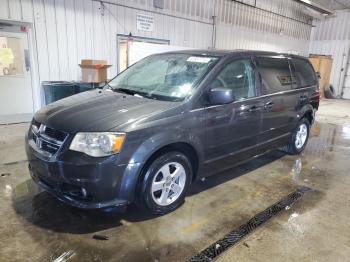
(316, 7)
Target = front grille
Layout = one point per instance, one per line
(49, 147)
(45, 139)
(59, 135)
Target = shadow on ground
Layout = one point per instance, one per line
(45, 211)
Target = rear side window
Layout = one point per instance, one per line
(304, 73)
(275, 73)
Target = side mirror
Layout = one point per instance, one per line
(219, 96)
(318, 74)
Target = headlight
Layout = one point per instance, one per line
(98, 144)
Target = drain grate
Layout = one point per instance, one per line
(236, 235)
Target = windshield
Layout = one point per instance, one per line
(165, 77)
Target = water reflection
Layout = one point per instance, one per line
(346, 131)
(296, 169)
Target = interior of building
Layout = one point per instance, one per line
(97, 97)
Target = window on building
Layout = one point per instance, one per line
(11, 58)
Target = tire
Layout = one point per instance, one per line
(160, 193)
(295, 147)
(329, 92)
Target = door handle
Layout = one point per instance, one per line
(250, 109)
(268, 105)
(254, 109)
(303, 98)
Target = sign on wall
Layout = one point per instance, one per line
(145, 22)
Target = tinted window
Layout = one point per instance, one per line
(238, 76)
(304, 73)
(275, 73)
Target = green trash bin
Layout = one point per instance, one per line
(56, 90)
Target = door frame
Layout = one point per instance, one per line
(33, 59)
(121, 37)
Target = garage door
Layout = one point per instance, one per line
(16, 99)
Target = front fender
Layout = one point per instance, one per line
(160, 140)
(146, 150)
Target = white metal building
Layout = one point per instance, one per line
(57, 34)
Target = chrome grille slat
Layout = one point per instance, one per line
(45, 140)
(51, 140)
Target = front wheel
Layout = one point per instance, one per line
(165, 183)
(299, 138)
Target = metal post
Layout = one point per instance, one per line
(213, 40)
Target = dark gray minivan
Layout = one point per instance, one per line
(168, 120)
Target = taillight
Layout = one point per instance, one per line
(316, 96)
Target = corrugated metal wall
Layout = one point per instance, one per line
(66, 31)
(285, 28)
(332, 37)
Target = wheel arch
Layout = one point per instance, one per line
(188, 144)
(183, 147)
(308, 113)
(309, 116)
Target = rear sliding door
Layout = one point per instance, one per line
(279, 114)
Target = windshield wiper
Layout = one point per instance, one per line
(125, 91)
(134, 92)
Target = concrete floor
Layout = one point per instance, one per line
(37, 227)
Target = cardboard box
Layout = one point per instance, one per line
(94, 71)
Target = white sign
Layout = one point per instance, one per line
(145, 22)
(198, 59)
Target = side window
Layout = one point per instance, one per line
(304, 73)
(275, 73)
(238, 76)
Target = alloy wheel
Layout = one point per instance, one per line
(168, 183)
(301, 136)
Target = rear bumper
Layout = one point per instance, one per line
(79, 182)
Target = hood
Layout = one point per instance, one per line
(98, 110)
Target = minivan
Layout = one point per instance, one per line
(167, 121)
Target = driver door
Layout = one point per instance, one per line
(232, 129)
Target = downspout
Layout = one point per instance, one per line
(213, 38)
(343, 72)
(213, 33)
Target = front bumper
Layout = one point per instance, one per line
(82, 181)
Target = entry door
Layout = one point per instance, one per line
(232, 129)
(16, 97)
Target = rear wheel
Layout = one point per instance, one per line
(299, 138)
(165, 183)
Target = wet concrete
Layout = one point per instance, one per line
(36, 227)
(334, 111)
(316, 227)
